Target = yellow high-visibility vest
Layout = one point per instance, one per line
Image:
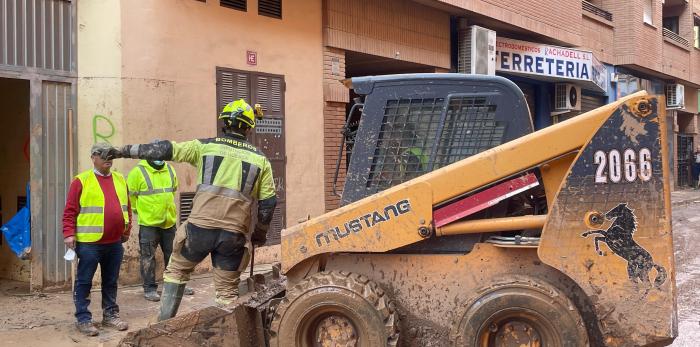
(153, 194)
(91, 220)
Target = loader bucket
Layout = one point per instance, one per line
(240, 325)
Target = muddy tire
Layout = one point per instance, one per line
(519, 311)
(335, 309)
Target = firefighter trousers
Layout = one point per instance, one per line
(229, 256)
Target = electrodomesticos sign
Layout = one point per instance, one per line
(529, 58)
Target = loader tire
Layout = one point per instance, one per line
(519, 311)
(335, 308)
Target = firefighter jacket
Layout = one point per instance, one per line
(231, 175)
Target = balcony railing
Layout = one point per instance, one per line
(587, 6)
(675, 38)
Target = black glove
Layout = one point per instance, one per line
(112, 153)
(259, 236)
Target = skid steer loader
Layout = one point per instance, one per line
(461, 226)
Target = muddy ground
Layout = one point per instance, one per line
(686, 239)
(47, 320)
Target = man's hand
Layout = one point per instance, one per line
(69, 242)
(259, 236)
(125, 238)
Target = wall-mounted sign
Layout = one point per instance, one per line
(252, 58)
(528, 58)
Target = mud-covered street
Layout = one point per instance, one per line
(46, 320)
(686, 239)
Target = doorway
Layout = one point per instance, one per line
(686, 159)
(14, 168)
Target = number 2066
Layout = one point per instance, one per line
(630, 165)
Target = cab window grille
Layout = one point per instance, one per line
(470, 128)
(406, 140)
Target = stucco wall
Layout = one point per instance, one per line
(14, 166)
(170, 52)
(147, 70)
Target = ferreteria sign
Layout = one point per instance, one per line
(527, 58)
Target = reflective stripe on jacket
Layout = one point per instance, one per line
(90, 221)
(231, 174)
(153, 194)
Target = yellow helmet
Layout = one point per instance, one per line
(240, 110)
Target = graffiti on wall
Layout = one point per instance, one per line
(102, 129)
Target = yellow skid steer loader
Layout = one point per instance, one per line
(460, 226)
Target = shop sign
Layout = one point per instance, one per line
(528, 58)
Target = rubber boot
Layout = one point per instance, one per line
(170, 300)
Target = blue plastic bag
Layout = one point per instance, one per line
(17, 231)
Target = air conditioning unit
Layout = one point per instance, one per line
(477, 51)
(675, 96)
(567, 97)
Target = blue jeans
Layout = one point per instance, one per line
(109, 257)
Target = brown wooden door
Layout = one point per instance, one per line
(268, 91)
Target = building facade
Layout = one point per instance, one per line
(73, 73)
(607, 49)
(172, 65)
(77, 72)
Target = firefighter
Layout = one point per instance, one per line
(232, 173)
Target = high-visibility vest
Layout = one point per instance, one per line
(91, 219)
(153, 194)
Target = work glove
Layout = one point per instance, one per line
(113, 153)
(259, 236)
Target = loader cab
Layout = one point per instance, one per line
(403, 126)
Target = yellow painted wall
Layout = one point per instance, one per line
(147, 70)
(14, 166)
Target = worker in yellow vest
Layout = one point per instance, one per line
(152, 186)
(96, 221)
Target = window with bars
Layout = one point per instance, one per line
(241, 5)
(268, 135)
(270, 8)
(407, 145)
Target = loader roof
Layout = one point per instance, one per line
(366, 84)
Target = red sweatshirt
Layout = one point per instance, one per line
(114, 220)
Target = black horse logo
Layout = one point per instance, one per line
(619, 239)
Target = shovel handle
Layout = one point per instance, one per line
(252, 260)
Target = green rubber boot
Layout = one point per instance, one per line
(170, 300)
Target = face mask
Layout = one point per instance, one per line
(158, 162)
